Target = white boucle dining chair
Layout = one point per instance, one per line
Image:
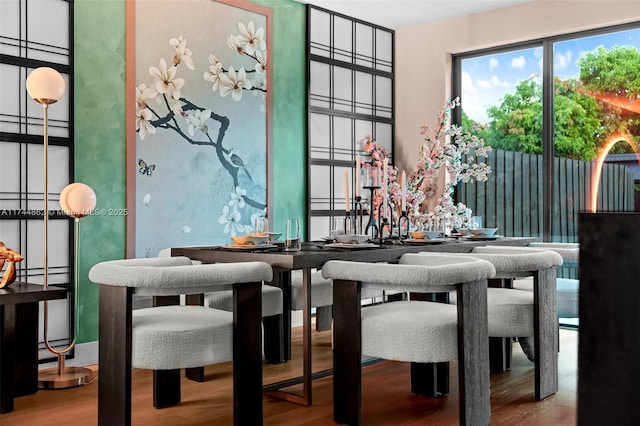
(567, 289)
(530, 316)
(272, 311)
(169, 338)
(321, 297)
(411, 331)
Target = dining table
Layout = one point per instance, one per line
(312, 256)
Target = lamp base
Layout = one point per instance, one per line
(70, 377)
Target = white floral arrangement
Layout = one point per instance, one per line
(461, 154)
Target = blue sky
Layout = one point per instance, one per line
(486, 79)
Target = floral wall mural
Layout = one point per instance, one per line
(201, 122)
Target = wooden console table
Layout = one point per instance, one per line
(19, 339)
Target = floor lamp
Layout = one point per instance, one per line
(46, 86)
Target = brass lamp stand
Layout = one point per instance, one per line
(46, 86)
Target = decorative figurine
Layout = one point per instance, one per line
(11, 257)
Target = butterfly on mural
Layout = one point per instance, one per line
(144, 168)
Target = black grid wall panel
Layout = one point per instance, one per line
(37, 34)
(350, 96)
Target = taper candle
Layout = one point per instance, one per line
(404, 191)
(357, 175)
(346, 191)
(384, 189)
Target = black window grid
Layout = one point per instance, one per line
(327, 152)
(21, 208)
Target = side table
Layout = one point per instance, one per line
(19, 339)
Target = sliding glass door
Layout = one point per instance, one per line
(550, 109)
(596, 82)
(501, 96)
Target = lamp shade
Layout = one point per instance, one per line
(78, 200)
(45, 85)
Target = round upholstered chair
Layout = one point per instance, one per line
(321, 297)
(272, 311)
(169, 338)
(411, 331)
(567, 289)
(529, 316)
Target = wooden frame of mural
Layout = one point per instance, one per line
(199, 131)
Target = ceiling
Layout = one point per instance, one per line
(398, 14)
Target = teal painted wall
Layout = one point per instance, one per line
(99, 86)
(100, 143)
(289, 111)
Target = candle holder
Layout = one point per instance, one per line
(348, 224)
(359, 213)
(404, 218)
(384, 223)
(371, 224)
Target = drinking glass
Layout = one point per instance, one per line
(261, 225)
(333, 227)
(475, 222)
(349, 225)
(292, 235)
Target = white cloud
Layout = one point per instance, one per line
(493, 63)
(563, 60)
(484, 84)
(537, 52)
(518, 62)
(476, 112)
(467, 84)
(496, 82)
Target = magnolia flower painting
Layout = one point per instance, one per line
(201, 123)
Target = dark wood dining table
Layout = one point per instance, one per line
(313, 255)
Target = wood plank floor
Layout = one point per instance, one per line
(386, 396)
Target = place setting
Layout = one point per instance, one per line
(260, 240)
(349, 237)
(426, 237)
(351, 242)
(476, 232)
(482, 234)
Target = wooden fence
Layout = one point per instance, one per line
(511, 199)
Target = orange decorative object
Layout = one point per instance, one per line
(10, 257)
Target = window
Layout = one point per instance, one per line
(350, 96)
(549, 107)
(501, 91)
(28, 40)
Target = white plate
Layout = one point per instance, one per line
(482, 237)
(351, 246)
(250, 246)
(352, 239)
(425, 240)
